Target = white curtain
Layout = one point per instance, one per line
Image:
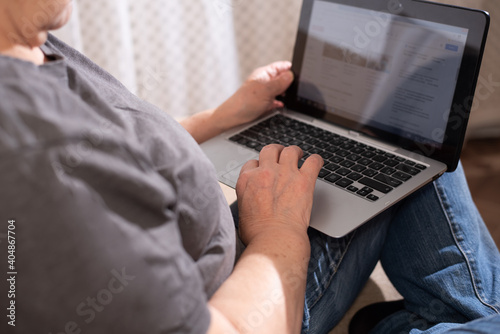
(183, 55)
(189, 55)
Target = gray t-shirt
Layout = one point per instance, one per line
(121, 226)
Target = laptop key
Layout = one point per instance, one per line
(235, 138)
(391, 163)
(323, 173)
(347, 163)
(332, 148)
(332, 178)
(326, 155)
(302, 137)
(342, 153)
(337, 142)
(358, 168)
(250, 134)
(352, 189)
(252, 144)
(312, 141)
(354, 176)
(315, 151)
(343, 171)
(376, 165)
(357, 150)
(372, 197)
(365, 191)
(401, 176)
(379, 158)
(421, 167)
(353, 157)
(322, 145)
(344, 183)
(364, 161)
(388, 180)
(257, 128)
(259, 147)
(379, 186)
(368, 154)
(388, 171)
(333, 167)
(370, 172)
(347, 146)
(243, 141)
(408, 169)
(336, 159)
(305, 147)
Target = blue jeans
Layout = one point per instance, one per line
(436, 251)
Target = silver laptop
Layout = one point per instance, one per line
(383, 91)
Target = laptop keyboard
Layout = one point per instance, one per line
(358, 168)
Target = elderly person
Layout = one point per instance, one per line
(121, 226)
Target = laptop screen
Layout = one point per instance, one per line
(394, 73)
(402, 71)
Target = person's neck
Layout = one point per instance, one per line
(22, 48)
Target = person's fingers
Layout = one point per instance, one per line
(277, 104)
(241, 184)
(251, 164)
(278, 85)
(281, 66)
(312, 166)
(270, 155)
(291, 156)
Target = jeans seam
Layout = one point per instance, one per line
(328, 283)
(442, 197)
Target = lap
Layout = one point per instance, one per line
(441, 258)
(435, 249)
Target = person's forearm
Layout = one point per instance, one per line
(265, 292)
(202, 126)
(212, 122)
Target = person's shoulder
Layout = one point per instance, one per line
(78, 61)
(21, 85)
(32, 109)
(13, 70)
(55, 46)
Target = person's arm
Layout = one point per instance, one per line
(254, 98)
(265, 292)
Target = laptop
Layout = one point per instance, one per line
(383, 91)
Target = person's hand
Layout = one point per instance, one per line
(254, 98)
(257, 95)
(274, 195)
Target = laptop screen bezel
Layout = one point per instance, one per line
(476, 21)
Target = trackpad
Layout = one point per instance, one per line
(231, 177)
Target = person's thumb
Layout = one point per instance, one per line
(278, 85)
